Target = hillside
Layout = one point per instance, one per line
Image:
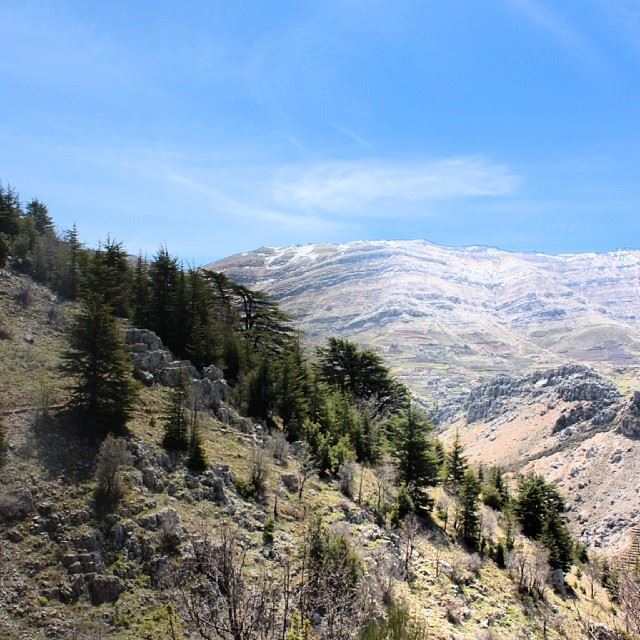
(499, 345)
(446, 318)
(68, 572)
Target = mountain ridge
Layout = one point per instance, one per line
(476, 311)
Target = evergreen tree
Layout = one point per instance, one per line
(176, 422)
(539, 508)
(10, 212)
(109, 277)
(23, 245)
(232, 356)
(163, 273)
(361, 374)
(39, 212)
(557, 539)
(70, 278)
(291, 402)
(205, 331)
(495, 493)
(104, 390)
(197, 459)
(469, 523)
(416, 463)
(300, 629)
(141, 293)
(456, 465)
(182, 320)
(260, 392)
(5, 249)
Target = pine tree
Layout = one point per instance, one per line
(197, 459)
(39, 212)
(260, 392)
(557, 539)
(540, 508)
(456, 465)
(291, 401)
(416, 463)
(71, 269)
(141, 293)
(176, 420)
(469, 523)
(163, 273)
(108, 277)
(104, 390)
(10, 212)
(495, 493)
(182, 322)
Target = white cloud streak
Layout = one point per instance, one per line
(389, 187)
(543, 17)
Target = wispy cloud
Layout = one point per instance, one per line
(389, 187)
(545, 18)
(224, 201)
(347, 133)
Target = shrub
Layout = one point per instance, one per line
(24, 296)
(402, 506)
(258, 474)
(244, 487)
(456, 611)
(113, 456)
(268, 531)
(346, 476)
(279, 446)
(397, 625)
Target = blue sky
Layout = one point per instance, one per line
(219, 127)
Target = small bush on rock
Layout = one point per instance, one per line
(113, 457)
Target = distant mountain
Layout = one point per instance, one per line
(447, 318)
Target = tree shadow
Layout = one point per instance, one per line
(66, 444)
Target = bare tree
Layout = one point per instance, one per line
(222, 600)
(279, 447)
(529, 568)
(444, 506)
(593, 571)
(488, 524)
(307, 468)
(408, 536)
(384, 475)
(112, 458)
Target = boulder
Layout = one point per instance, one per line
(212, 373)
(152, 479)
(630, 423)
(143, 337)
(146, 377)
(170, 375)
(90, 541)
(16, 505)
(290, 482)
(105, 589)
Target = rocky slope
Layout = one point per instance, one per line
(573, 426)
(446, 318)
(67, 571)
